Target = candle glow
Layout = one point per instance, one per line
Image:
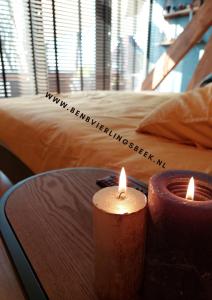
(190, 189)
(122, 182)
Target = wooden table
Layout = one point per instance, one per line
(51, 216)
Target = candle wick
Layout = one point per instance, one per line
(120, 195)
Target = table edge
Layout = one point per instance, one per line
(32, 286)
(26, 273)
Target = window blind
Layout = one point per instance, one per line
(103, 41)
(72, 45)
(17, 75)
(129, 45)
(70, 35)
(40, 57)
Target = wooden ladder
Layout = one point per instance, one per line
(186, 40)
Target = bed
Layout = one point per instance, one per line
(45, 135)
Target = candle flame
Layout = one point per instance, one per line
(122, 181)
(190, 189)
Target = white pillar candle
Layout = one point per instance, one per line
(119, 216)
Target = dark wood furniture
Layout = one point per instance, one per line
(12, 166)
(51, 216)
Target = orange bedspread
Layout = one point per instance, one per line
(46, 136)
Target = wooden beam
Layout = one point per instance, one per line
(186, 40)
(204, 67)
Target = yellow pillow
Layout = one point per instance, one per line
(186, 119)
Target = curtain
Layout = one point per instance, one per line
(72, 45)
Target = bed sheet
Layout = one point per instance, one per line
(46, 135)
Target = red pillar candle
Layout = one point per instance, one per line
(179, 221)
